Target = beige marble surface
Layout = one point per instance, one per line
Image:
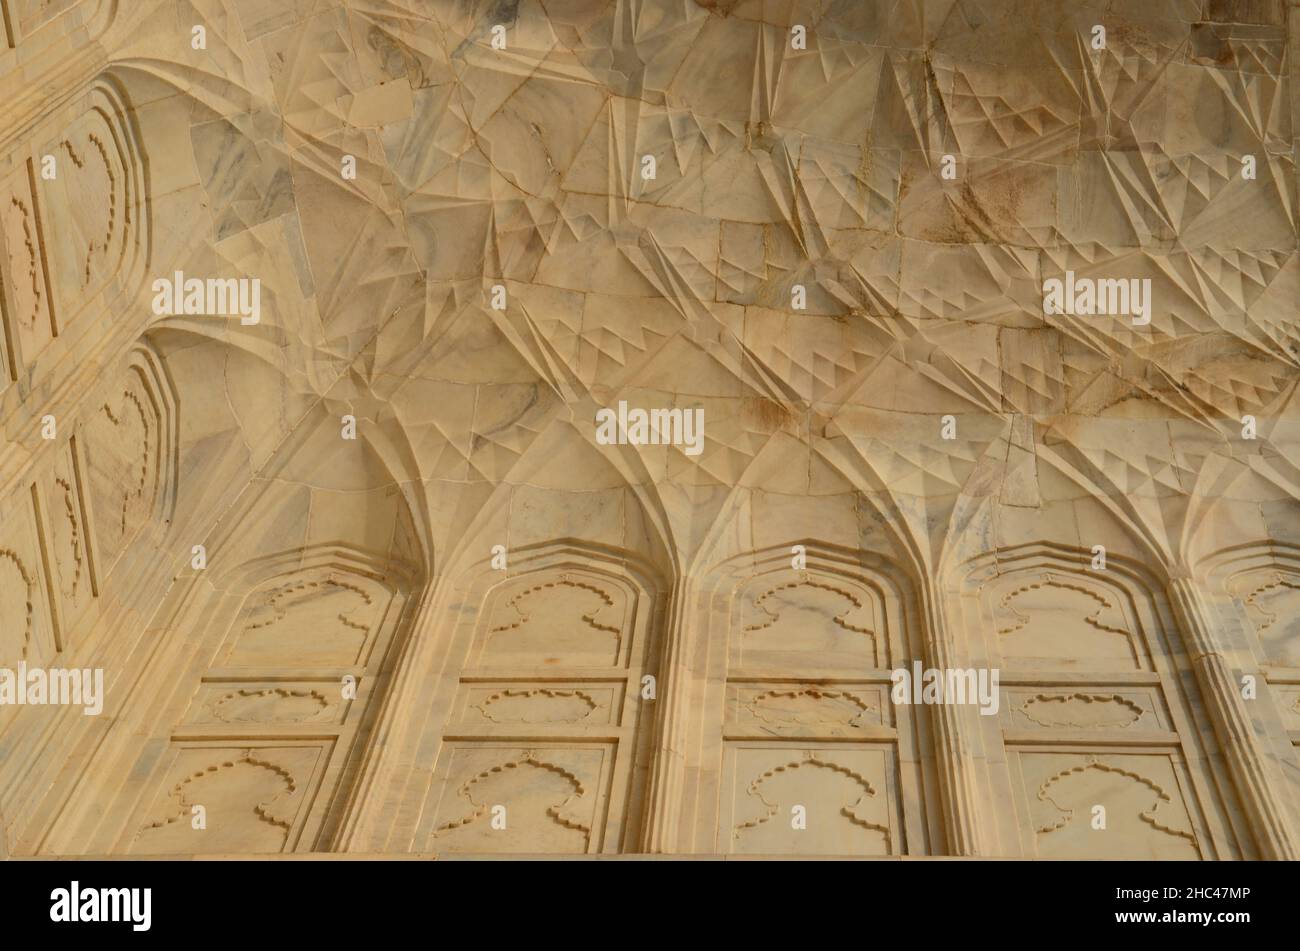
(362, 572)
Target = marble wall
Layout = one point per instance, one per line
(391, 564)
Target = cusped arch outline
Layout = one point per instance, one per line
(741, 584)
(1241, 574)
(156, 404)
(289, 567)
(454, 615)
(1125, 587)
(572, 563)
(1148, 816)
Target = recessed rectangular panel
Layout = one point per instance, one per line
(29, 314)
(807, 710)
(1101, 804)
(791, 799)
(245, 797)
(520, 706)
(245, 703)
(1113, 710)
(498, 798)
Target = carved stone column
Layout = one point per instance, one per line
(954, 740)
(1254, 772)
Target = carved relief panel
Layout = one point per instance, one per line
(567, 619)
(272, 736)
(72, 226)
(123, 450)
(1098, 729)
(499, 799)
(1051, 618)
(29, 315)
(61, 494)
(1267, 593)
(1092, 804)
(808, 710)
(556, 658)
(1288, 698)
(1116, 711)
(808, 619)
(830, 800)
(89, 205)
(322, 617)
(27, 631)
(232, 799)
(46, 583)
(560, 705)
(816, 760)
(1270, 596)
(252, 702)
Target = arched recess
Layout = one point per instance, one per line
(273, 660)
(130, 435)
(102, 496)
(543, 707)
(309, 580)
(800, 750)
(75, 235)
(1102, 733)
(1256, 591)
(1263, 582)
(274, 728)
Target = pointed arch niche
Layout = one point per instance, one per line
(1256, 591)
(1262, 582)
(800, 749)
(1099, 719)
(131, 436)
(543, 715)
(274, 728)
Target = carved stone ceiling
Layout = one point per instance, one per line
(774, 167)
(942, 303)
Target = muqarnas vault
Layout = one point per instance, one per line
(362, 576)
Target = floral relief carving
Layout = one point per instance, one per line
(19, 598)
(809, 706)
(537, 796)
(323, 620)
(1081, 710)
(1064, 623)
(813, 617)
(71, 534)
(1136, 810)
(537, 705)
(246, 802)
(842, 795)
(567, 619)
(268, 705)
